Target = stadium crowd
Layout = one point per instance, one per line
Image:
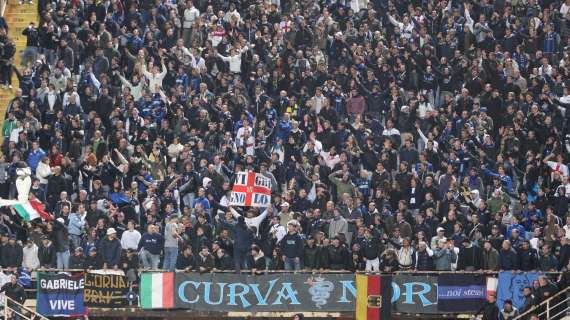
(398, 135)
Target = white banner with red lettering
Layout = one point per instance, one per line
(251, 189)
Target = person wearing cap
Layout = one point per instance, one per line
(292, 247)
(110, 250)
(440, 235)
(470, 256)
(46, 254)
(77, 259)
(284, 214)
(93, 260)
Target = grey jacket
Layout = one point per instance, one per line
(443, 258)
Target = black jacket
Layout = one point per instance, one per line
(14, 291)
(110, 251)
(47, 256)
(528, 259)
(77, 262)
(224, 263)
(93, 262)
(338, 258)
(12, 256)
(470, 257)
(292, 246)
(370, 248)
(183, 262)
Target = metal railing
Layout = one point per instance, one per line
(555, 307)
(12, 307)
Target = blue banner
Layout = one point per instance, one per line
(460, 293)
(511, 287)
(60, 295)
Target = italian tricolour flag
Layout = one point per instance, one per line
(28, 210)
(157, 290)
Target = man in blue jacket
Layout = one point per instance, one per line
(508, 258)
(35, 156)
(150, 247)
(110, 249)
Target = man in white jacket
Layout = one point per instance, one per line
(251, 220)
(30, 260)
(43, 171)
(155, 77)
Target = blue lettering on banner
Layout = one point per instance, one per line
(262, 300)
(208, 292)
(347, 287)
(411, 294)
(181, 294)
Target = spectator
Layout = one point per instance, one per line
(371, 249)
(77, 259)
(423, 258)
(30, 256)
(46, 254)
(490, 257)
(243, 240)
(257, 261)
(150, 248)
(110, 250)
(94, 260)
(14, 291)
(171, 238)
(444, 256)
(131, 237)
(509, 312)
(528, 257)
(186, 260)
(292, 247)
(205, 261)
(508, 258)
(470, 257)
(489, 309)
(61, 243)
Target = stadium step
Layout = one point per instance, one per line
(18, 18)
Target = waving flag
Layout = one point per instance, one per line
(28, 210)
(251, 189)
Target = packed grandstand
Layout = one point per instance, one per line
(398, 138)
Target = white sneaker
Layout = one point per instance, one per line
(9, 86)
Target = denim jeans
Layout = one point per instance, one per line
(30, 53)
(290, 264)
(75, 241)
(149, 260)
(63, 259)
(170, 256)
